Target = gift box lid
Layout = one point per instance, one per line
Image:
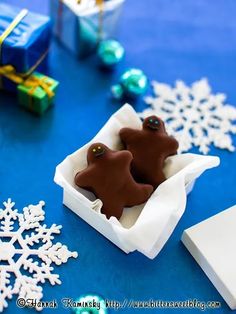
(212, 244)
(27, 42)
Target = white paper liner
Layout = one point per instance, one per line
(146, 227)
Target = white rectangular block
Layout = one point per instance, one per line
(213, 245)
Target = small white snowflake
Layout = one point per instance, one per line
(26, 256)
(194, 115)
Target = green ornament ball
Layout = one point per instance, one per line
(93, 304)
(133, 83)
(110, 52)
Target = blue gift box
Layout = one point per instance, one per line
(27, 44)
(79, 28)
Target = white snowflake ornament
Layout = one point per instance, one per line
(194, 115)
(27, 253)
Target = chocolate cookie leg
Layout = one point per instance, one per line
(109, 209)
(158, 180)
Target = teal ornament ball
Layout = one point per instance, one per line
(90, 304)
(110, 52)
(133, 83)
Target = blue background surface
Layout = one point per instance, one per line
(169, 40)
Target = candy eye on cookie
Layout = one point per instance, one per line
(152, 123)
(98, 150)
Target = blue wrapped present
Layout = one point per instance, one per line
(24, 42)
(81, 24)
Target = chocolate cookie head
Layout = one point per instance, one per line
(97, 151)
(154, 123)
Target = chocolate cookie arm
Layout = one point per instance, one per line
(123, 159)
(172, 146)
(126, 134)
(82, 179)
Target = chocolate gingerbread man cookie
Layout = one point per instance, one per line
(108, 177)
(149, 147)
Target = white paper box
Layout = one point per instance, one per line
(77, 26)
(146, 227)
(213, 245)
